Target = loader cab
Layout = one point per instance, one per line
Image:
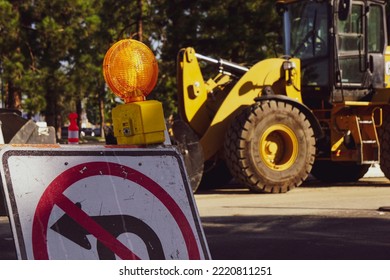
(341, 45)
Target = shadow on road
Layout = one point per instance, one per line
(297, 238)
(283, 238)
(235, 188)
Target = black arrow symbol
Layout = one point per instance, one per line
(115, 225)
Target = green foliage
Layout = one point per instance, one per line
(237, 30)
(51, 51)
(8, 25)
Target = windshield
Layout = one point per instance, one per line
(306, 28)
(309, 29)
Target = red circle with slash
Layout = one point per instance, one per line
(54, 196)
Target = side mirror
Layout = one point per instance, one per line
(344, 9)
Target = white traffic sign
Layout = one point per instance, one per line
(92, 202)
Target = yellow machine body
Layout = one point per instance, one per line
(323, 108)
(210, 105)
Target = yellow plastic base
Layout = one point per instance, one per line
(139, 123)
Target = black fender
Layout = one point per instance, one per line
(315, 124)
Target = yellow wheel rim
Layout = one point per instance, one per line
(278, 147)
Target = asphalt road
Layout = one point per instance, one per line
(312, 222)
(315, 221)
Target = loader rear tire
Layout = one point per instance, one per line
(384, 140)
(270, 147)
(342, 172)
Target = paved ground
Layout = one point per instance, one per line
(314, 221)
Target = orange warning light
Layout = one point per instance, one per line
(130, 70)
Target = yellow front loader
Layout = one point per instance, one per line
(320, 109)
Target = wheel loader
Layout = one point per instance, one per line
(321, 108)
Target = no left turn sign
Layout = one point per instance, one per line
(101, 203)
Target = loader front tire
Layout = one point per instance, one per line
(270, 147)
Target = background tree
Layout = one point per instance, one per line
(11, 58)
(228, 29)
(51, 51)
